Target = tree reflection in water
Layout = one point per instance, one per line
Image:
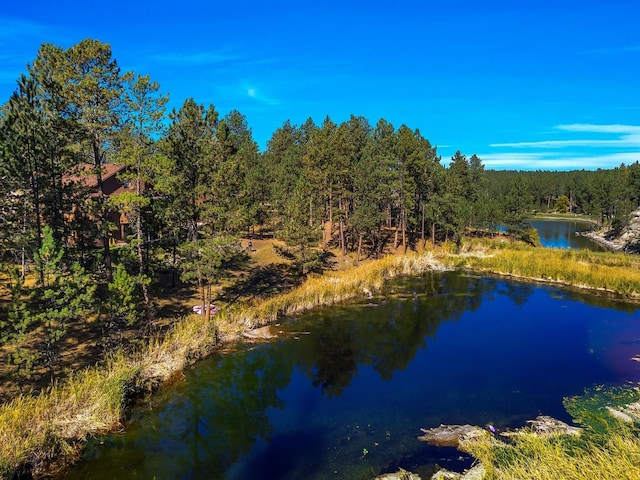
(449, 348)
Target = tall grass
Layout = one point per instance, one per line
(612, 272)
(336, 287)
(614, 455)
(41, 432)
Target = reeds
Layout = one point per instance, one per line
(40, 430)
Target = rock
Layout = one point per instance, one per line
(477, 472)
(450, 435)
(262, 333)
(623, 417)
(627, 413)
(627, 239)
(446, 475)
(544, 425)
(399, 475)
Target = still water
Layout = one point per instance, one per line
(562, 234)
(343, 391)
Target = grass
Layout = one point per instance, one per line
(44, 430)
(565, 216)
(614, 455)
(335, 287)
(610, 272)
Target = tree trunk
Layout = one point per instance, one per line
(422, 232)
(97, 157)
(173, 262)
(148, 312)
(395, 237)
(359, 248)
(329, 230)
(343, 245)
(207, 303)
(404, 231)
(433, 234)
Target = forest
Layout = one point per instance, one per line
(192, 185)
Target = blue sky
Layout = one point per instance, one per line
(523, 84)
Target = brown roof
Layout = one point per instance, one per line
(86, 176)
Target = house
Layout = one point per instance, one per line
(111, 185)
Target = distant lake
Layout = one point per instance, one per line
(562, 234)
(343, 391)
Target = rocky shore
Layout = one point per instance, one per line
(457, 435)
(626, 240)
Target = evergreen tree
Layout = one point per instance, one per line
(66, 295)
(91, 87)
(138, 152)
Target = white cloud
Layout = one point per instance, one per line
(561, 144)
(589, 127)
(596, 146)
(628, 136)
(554, 161)
(257, 95)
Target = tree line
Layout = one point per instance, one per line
(198, 183)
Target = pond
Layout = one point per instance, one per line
(562, 234)
(343, 391)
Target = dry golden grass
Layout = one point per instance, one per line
(611, 272)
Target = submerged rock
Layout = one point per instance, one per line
(450, 435)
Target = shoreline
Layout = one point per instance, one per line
(575, 218)
(602, 241)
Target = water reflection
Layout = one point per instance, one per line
(562, 234)
(346, 388)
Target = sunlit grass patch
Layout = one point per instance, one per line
(614, 455)
(612, 272)
(335, 287)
